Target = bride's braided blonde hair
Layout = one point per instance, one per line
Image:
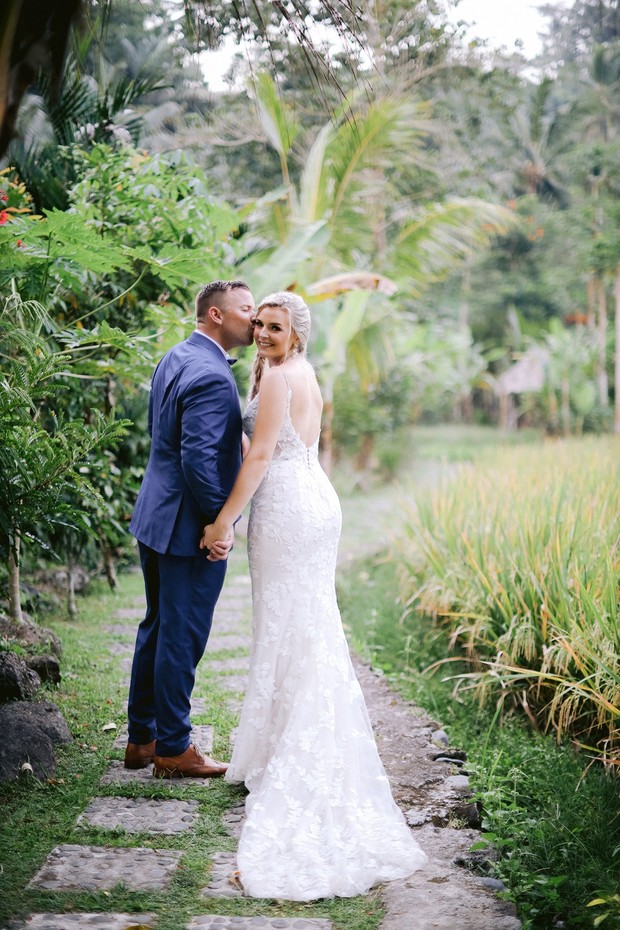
(300, 325)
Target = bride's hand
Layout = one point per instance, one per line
(216, 543)
(218, 551)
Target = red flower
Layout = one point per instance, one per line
(4, 217)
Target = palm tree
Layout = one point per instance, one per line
(596, 185)
(326, 225)
(83, 111)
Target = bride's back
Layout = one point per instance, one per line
(306, 401)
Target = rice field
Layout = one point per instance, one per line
(516, 560)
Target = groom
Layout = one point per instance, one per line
(195, 428)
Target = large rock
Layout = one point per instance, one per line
(17, 681)
(58, 579)
(28, 733)
(46, 667)
(29, 635)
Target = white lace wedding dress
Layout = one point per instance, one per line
(321, 820)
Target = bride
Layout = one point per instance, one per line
(321, 820)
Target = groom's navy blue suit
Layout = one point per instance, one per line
(195, 427)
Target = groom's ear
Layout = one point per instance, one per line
(215, 314)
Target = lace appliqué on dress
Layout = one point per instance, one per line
(321, 820)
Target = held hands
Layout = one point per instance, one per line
(217, 543)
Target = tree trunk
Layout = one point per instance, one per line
(15, 602)
(505, 412)
(617, 356)
(362, 459)
(109, 567)
(603, 382)
(553, 418)
(71, 603)
(565, 389)
(466, 408)
(591, 303)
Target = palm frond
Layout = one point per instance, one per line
(431, 245)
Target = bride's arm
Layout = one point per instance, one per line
(269, 419)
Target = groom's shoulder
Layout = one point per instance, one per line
(189, 350)
(193, 358)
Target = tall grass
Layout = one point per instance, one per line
(518, 559)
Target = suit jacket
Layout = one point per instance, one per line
(195, 429)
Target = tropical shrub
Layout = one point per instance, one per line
(102, 290)
(42, 452)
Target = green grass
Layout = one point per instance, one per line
(36, 816)
(463, 442)
(555, 821)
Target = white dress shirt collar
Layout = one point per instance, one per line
(222, 350)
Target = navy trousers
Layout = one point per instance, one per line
(181, 594)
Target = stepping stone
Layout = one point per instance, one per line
(225, 625)
(233, 682)
(95, 868)
(197, 706)
(220, 641)
(130, 613)
(201, 735)
(220, 886)
(117, 774)
(239, 602)
(234, 705)
(236, 664)
(84, 921)
(139, 815)
(217, 922)
(121, 649)
(233, 820)
(120, 629)
(232, 608)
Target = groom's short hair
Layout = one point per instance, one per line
(210, 294)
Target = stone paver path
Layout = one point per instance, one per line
(425, 772)
(85, 921)
(202, 734)
(139, 815)
(221, 642)
(221, 922)
(96, 868)
(220, 884)
(127, 630)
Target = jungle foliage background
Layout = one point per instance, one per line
(450, 211)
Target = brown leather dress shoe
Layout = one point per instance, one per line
(190, 764)
(139, 756)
